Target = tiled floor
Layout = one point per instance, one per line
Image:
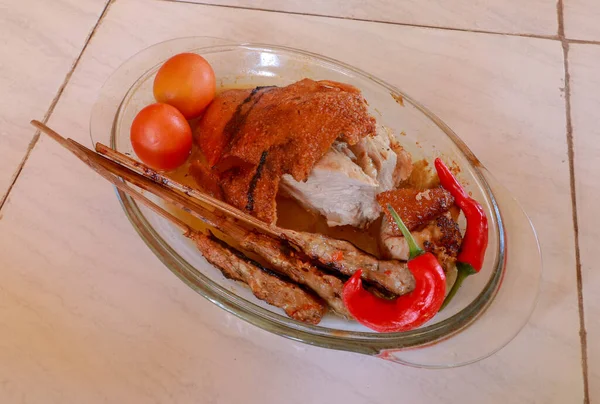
(585, 95)
(40, 42)
(581, 19)
(87, 312)
(538, 18)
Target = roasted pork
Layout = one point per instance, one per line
(415, 207)
(440, 236)
(382, 158)
(338, 189)
(344, 183)
(252, 138)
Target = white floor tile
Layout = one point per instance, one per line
(39, 43)
(585, 104)
(581, 19)
(536, 17)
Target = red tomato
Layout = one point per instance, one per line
(161, 137)
(187, 82)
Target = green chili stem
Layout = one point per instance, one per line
(414, 249)
(464, 270)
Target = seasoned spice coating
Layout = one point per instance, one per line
(285, 260)
(262, 134)
(415, 207)
(295, 301)
(344, 257)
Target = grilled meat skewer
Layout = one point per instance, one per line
(390, 275)
(296, 302)
(344, 257)
(326, 286)
(286, 261)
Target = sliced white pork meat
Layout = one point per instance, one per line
(343, 184)
(338, 189)
(382, 158)
(404, 165)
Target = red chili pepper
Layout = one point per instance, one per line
(475, 241)
(404, 312)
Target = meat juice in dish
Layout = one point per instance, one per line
(310, 158)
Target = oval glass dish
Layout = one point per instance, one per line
(491, 307)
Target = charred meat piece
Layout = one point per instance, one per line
(285, 261)
(446, 239)
(415, 207)
(254, 189)
(441, 236)
(338, 189)
(344, 257)
(287, 130)
(296, 302)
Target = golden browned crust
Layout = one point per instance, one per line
(286, 261)
(446, 240)
(295, 301)
(415, 207)
(274, 131)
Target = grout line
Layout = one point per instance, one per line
(571, 154)
(583, 41)
(561, 19)
(50, 110)
(32, 143)
(404, 24)
(560, 38)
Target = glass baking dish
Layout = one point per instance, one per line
(491, 307)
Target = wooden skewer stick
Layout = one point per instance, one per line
(180, 200)
(142, 169)
(109, 169)
(254, 276)
(75, 148)
(396, 278)
(391, 275)
(307, 275)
